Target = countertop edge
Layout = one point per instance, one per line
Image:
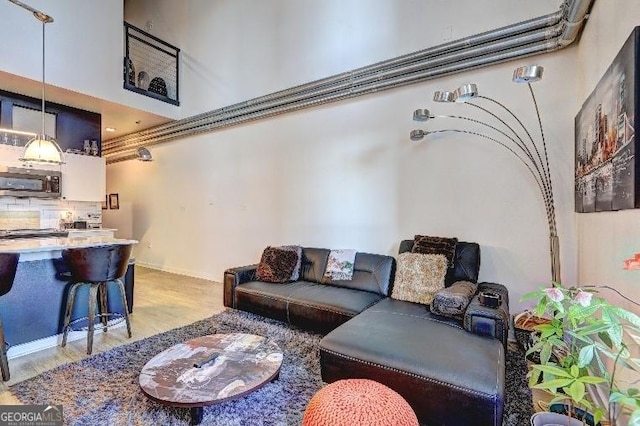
(33, 245)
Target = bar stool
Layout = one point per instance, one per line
(8, 267)
(96, 267)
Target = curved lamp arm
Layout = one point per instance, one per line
(542, 176)
(533, 156)
(417, 135)
(541, 163)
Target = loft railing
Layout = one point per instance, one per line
(151, 66)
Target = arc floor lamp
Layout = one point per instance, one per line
(516, 138)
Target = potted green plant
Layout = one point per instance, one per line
(589, 344)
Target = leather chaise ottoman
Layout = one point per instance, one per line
(448, 375)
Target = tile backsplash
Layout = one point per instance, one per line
(21, 213)
(19, 219)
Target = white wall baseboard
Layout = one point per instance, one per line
(50, 342)
(179, 271)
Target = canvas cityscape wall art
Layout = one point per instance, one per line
(607, 173)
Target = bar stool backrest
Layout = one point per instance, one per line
(8, 267)
(98, 264)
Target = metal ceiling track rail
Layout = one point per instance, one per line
(547, 33)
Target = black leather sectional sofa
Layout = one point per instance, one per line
(450, 371)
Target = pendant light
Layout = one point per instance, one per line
(42, 148)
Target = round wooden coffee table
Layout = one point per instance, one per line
(209, 370)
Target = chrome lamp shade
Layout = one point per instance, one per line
(144, 154)
(527, 74)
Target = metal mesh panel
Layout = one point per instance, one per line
(150, 65)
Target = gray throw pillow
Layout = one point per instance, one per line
(453, 300)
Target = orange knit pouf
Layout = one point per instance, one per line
(356, 402)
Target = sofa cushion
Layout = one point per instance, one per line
(343, 300)
(322, 307)
(340, 264)
(453, 301)
(314, 263)
(276, 265)
(372, 272)
(419, 277)
(436, 245)
(267, 299)
(427, 361)
(310, 305)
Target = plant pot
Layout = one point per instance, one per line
(578, 413)
(546, 418)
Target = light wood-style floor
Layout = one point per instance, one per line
(162, 301)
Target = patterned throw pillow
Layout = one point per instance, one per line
(453, 300)
(340, 265)
(295, 275)
(436, 245)
(419, 277)
(276, 265)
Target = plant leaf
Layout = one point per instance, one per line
(531, 295)
(629, 316)
(581, 312)
(556, 371)
(586, 356)
(592, 380)
(534, 377)
(615, 332)
(577, 391)
(554, 384)
(574, 371)
(545, 353)
(605, 339)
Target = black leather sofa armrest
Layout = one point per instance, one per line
(233, 277)
(486, 321)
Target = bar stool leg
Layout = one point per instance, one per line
(104, 309)
(4, 361)
(68, 311)
(93, 302)
(125, 308)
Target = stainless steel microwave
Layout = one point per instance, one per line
(19, 182)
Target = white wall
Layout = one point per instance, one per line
(119, 219)
(345, 174)
(84, 49)
(233, 51)
(605, 239)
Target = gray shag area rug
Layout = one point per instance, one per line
(103, 389)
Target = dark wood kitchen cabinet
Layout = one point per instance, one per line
(73, 126)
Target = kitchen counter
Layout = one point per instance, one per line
(50, 248)
(90, 230)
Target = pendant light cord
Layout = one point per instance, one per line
(43, 81)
